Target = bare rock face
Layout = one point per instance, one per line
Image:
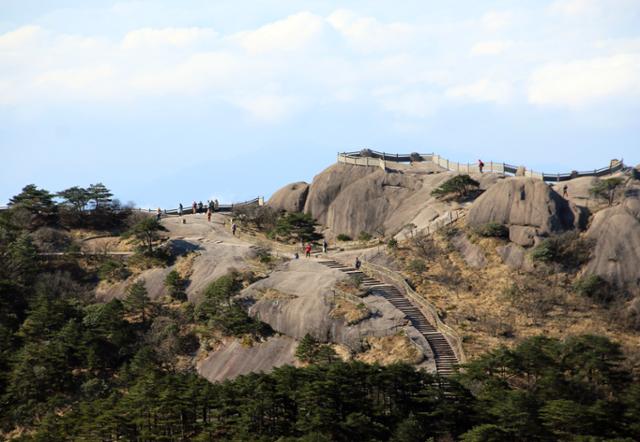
(523, 235)
(515, 257)
(529, 207)
(299, 299)
(233, 359)
(616, 256)
(290, 198)
(471, 253)
(328, 184)
(353, 199)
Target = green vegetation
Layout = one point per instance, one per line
(566, 249)
(113, 270)
(75, 369)
(300, 227)
(311, 351)
(459, 186)
(606, 189)
(493, 230)
(221, 310)
(145, 233)
(594, 287)
(417, 266)
(175, 286)
(364, 236)
(343, 237)
(392, 244)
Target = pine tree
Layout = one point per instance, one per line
(137, 300)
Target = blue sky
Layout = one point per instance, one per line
(174, 101)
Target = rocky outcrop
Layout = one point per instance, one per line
(328, 184)
(353, 199)
(291, 198)
(299, 298)
(515, 257)
(529, 207)
(234, 359)
(472, 254)
(616, 231)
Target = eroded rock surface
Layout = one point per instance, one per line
(616, 256)
(234, 359)
(529, 207)
(291, 197)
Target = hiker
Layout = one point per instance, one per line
(480, 165)
(324, 246)
(209, 215)
(358, 263)
(234, 227)
(194, 207)
(565, 191)
(180, 209)
(296, 256)
(216, 205)
(307, 251)
(212, 206)
(200, 207)
(159, 214)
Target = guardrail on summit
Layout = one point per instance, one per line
(372, 158)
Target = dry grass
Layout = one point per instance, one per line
(476, 302)
(184, 264)
(392, 349)
(272, 293)
(350, 311)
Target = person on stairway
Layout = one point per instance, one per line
(358, 263)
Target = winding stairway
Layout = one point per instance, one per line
(445, 358)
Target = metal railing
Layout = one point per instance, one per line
(374, 158)
(427, 308)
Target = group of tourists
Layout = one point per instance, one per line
(199, 207)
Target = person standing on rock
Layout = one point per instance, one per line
(209, 215)
(565, 191)
(212, 206)
(158, 214)
(324, 246)
(180, 209)
(234, 227)
(200, 205)
(480, 165)
(358, 263)
(194, 207)
(307, 251)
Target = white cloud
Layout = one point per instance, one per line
(270, 108)
(21, 38)
(574, 7)
(492, 47)
(168, 37)
(367, 34)
(583, 82)
(293, 33)
(484, 90)
(497, 20)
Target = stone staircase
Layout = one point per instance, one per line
(445, 358)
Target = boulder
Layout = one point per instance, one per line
(523, 235)
(290, 198)
(515, 257)
(471, 253)
(616, 255)
(328, 184)
(528, 206)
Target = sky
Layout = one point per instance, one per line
(167, 102)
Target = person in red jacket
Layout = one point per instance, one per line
(307, 251)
